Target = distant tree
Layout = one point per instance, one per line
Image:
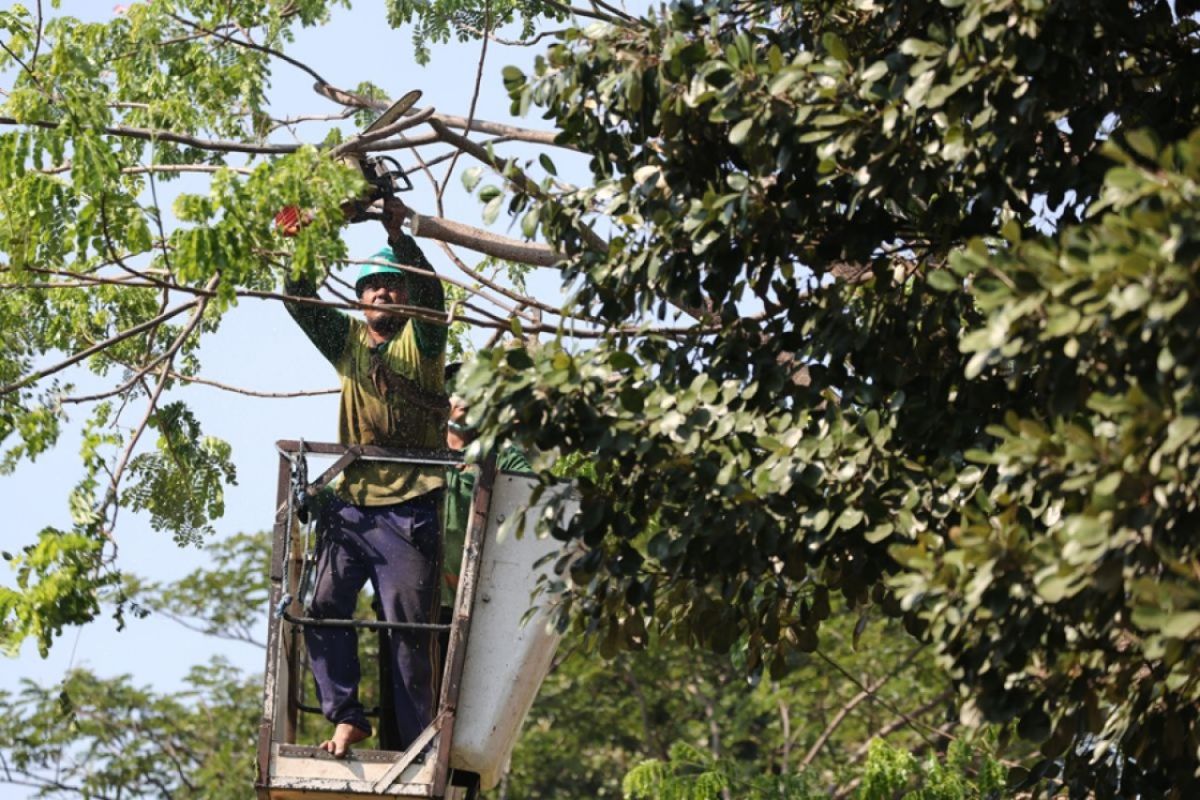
(598, 718)
(90, 736)
(600, 727)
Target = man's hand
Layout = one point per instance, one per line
(394, 215)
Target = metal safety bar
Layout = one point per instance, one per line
(283, 674)
(348, 454)
(368, 624)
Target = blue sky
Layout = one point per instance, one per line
(257, 347)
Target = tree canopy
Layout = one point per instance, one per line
(891, 300)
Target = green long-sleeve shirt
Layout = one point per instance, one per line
(392, 393)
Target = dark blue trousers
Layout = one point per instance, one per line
(398, 549)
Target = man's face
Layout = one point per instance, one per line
(383, 290)
(457, 440)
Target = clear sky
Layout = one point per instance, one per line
(257, 347)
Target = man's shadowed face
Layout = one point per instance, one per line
(384, 290)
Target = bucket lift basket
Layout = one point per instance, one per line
(287, 770)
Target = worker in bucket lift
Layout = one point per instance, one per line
(382, 521)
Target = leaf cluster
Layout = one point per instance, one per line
(901, 386)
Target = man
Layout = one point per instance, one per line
(381, 523)
(460, 486)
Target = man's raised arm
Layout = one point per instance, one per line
(425, 291)
(325, 327)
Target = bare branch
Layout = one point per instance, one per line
(581, 12)
(400, 143)
(353, 100)
(513, 42)
(251, 392)
(360, 142)
(481, 241)
(897, 724)
(176, 168)
(919, 727)
(150, 134)
(37, 42)
(187, 622)
(483, 47)
(152, 403)
(611, 9)
(511, 172)
(849, 706)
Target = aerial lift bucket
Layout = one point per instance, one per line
(495, 662)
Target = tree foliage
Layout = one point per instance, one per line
(597, 719)
(892, 301)
(942, 258)
(92, 736)
(642, 723)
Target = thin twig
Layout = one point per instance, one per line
(611, 9)
(361, 142)
(483, 48)
(141, 170)
(251, 392)
(37, 42)
(850, 705)
(580, 12)
(354, 100)
(897, 724)
(214, 145)
(513, 42)
(152, 403)
(250, 46)
(914, 723)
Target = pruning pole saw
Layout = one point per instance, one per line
(383, 174)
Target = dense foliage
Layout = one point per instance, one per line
(894, 301)
(943, 260)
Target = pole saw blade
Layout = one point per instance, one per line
(395, 111)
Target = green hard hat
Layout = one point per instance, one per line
(368, 270)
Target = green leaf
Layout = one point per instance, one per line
(1181, 625)
(942, 280)
(741, 130)
(471, 178)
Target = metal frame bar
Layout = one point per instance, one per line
(284, 623)
(481, 505)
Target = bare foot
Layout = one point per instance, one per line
(344, 735)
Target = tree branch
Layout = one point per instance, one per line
(109, 342)
(249, 45)
(150, 134)
(846, 708)
(354, 100)
(483, 48)
(251, 392)
(481, 241)
(152, 403)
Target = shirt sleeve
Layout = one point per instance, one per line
(425, 291)
(327, 328)
(512, 460)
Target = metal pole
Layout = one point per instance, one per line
(477, 525)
